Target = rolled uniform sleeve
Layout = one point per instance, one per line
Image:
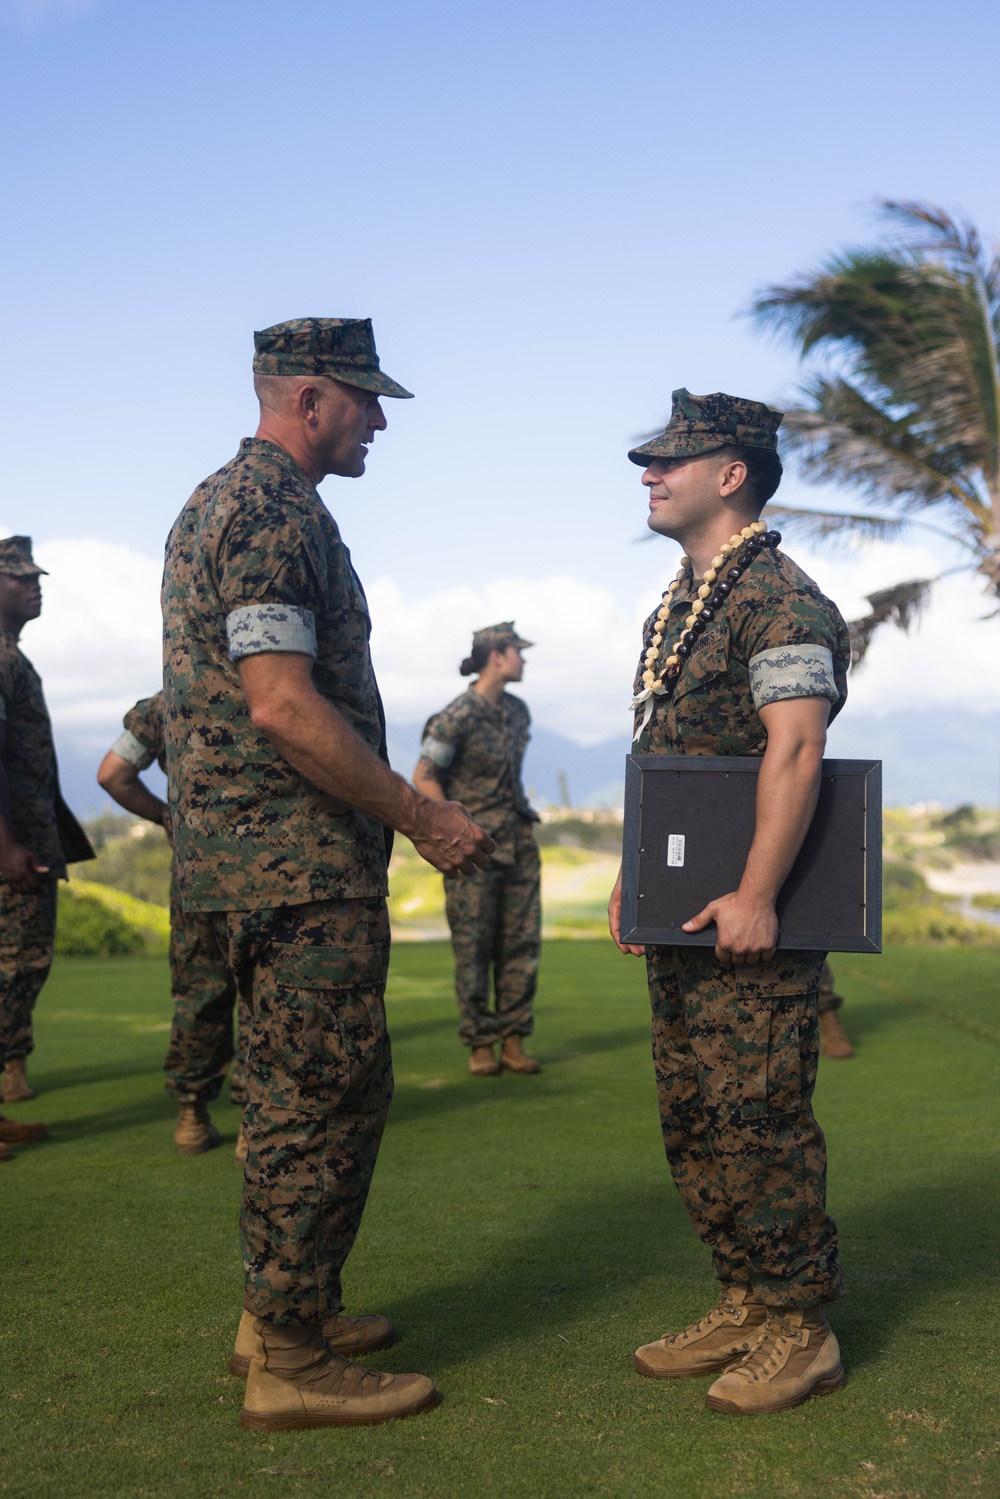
(144, 739)
(443, 738)
(128, 747)
(787, 671)
(796, 647)
(273, 596)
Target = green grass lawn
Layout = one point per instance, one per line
(524, 1236)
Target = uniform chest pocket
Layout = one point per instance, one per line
(708, 661)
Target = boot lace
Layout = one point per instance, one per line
(762, 1360)
(725, 1306)
(343, 1378)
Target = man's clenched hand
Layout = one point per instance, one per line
(20, 868)
(446, 836)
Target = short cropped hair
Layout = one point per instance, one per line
(275, 391)
(763, 467)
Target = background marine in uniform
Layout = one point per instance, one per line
(473, 752)
(744, 656)
(39, 835)
(203, 989)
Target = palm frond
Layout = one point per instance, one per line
(844, 436)
(899, 605)
(821, 525)
(912, 328)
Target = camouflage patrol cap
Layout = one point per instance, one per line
(343, 347)
(499, 637)
(699, 424)
(16, 560)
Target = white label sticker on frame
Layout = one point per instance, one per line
(675, 850)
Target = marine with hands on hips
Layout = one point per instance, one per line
(744, 656)
(203, 989)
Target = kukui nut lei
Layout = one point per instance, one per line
(739, 551)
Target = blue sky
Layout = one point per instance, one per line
(553, 212)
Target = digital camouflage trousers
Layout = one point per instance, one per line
(27, 938)
(735, 1051)
(205, 995)
(495, 916)
(319, 1079)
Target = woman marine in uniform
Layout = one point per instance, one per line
(472, 752)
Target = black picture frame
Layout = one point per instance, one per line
(832, 899)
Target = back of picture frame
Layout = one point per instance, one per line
(689, 824)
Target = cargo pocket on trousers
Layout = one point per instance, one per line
(768, 1051)
(341, 1018)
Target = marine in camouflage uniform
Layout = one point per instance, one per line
(474, 750)
(204, 990)
(262, 608)
(735, 1047)
(34, 820)
(296, 885)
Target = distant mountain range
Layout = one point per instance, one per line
(948, 756)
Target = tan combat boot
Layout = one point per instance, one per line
(12, 1133)
(482, 1062)
(195, 1132)
(347, 1335)
(833, 1039)
(16, 1088)
(514, 1057)
(796, 1355)
(295, 1381)
(714, 1342)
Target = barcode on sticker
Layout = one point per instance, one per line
(675, 849)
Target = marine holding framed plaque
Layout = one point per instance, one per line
(738, 830)
(689, 824)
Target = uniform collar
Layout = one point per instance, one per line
(274, 450)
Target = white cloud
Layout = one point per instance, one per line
(578, 679)
(948, 658)
(97, 644)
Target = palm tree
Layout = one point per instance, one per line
(905, 407)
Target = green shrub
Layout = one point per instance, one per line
(902, 884)
(937, 926)
(96, 921)
(987, 900)
(87, 928)
(132, 856)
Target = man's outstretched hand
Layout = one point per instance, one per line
(447, 837)
(615, 921)
(747, 928)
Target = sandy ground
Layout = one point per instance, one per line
(964, 881)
